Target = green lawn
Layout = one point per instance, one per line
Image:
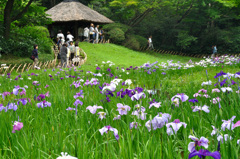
(125, 57)
(97, 53)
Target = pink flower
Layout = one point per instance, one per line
(17, 126)
(202, 90)
(215, 90)
(237, 124)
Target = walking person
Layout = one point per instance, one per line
(35, 54)
(63, 53)
(60, 34)
(92, 32)
(214, 52)
(72, 50)
(70, 37)
(86, 34)
(96, 34)
(150, 43)
(101, 33)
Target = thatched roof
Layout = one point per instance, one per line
(73, 10)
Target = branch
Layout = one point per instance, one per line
(185, 14)
(23, 11)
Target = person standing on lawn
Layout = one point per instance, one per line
(150, 43)
(35, 54)
(214, 47)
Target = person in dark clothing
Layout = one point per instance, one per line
(35, 54)
(63, 53)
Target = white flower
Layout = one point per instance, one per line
(128, 82)
(66, 156)
(224, 89)
(206, 83)
(29, 78)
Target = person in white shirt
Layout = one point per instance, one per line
(92, 33)
(69, 36)
(60, 34)
(96, 34)
(150, 43)
(86, 34)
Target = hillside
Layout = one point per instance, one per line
(123, 56)
(97, 53)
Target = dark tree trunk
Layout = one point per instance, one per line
(7, 18)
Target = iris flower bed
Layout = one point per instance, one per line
(158, 110)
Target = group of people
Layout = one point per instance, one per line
(93, 34)
(67, 49)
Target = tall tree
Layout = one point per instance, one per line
(9, 17)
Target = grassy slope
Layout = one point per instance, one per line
(122, 56)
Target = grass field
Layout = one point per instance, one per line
(52, 113)
(120, 55)
(124, 57)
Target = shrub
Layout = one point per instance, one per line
(116, 35)
(22, 41)
(132, 43)
(135, 42)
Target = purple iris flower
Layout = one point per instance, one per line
(223, 82)
(219, 74)
(108, 128)
(123, 109)
(109, 70)
(181, 96)
(80, 94)
(134, 125)
(41, 97)
(197, 142)
(43, 104)
(155, 104)
(61, 78)
(175, 125)
(118, 117)
(12, 106)
(3, 108)
(16, 90)
(46, 86)
(17, 126)
(23, 101)
(163, 73)
(193, 100)
(158, 121)
(94, 108)
(203, 153)
(102, 115)
(228, 124)
(203, 108)
(98, 68)
(233, 82)
(77, 102)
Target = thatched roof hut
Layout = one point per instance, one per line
(73, 13)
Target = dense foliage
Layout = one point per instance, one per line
(180, 25)
(30, 29)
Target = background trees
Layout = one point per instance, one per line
(190, 26)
